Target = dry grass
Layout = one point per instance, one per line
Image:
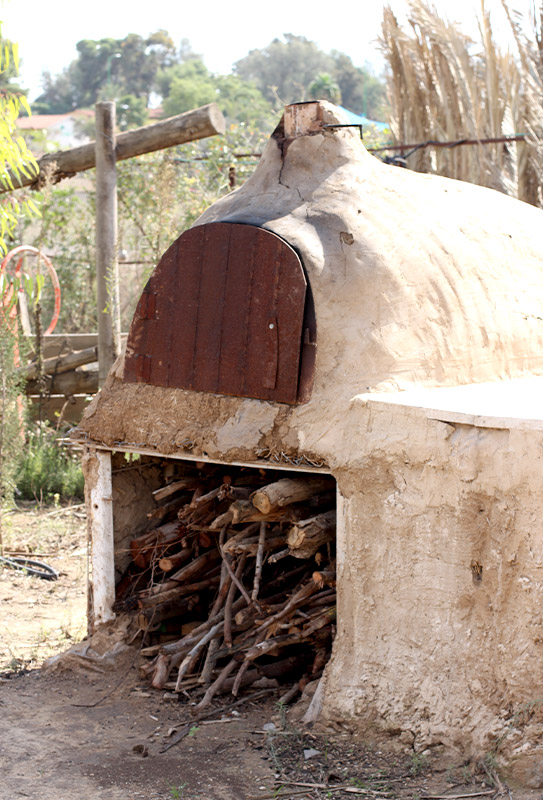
(41, 618)
(444, 86)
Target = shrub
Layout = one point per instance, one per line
(48, 468)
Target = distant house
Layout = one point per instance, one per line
(63, 129)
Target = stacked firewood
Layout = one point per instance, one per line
(233, 583)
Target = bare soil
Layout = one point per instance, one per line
(40, 618)
(98, 735)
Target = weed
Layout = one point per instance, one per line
(274, 753)
(193, 730)
(47, 470)
(418, 762)
(490, 761)
(282, 709)
(14, 665)
(176, 791)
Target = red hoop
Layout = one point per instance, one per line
(52, 274)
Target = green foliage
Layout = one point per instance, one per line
(131, 64)
(285, 70)
(59, 94)
(325, 88)
(15, 160)
(190, 85)
(67, 231)
(361, 91)
(15, 157)
(374, 137)
(131, 112)
(418, 763)
(177, 791)
(185, 86)
(12, 409)
(162, 194)
(10, 72)
(47, 468)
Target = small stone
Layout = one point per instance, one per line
(311, 753)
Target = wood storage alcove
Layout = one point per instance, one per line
(227, 570)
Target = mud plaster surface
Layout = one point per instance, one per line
(441, 628)
(417, 280)
(441, 586)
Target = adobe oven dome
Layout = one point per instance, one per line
(416, 280)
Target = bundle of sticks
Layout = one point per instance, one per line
(233, 583)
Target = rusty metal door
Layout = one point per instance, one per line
(223, 312)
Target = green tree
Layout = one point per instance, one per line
(131, 112)
(284, 69)
(361, 91)
(185, 86)
(130, 64)
(190, 84)
(59, 93)
(324, 87)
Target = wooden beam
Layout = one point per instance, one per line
(100, 507)
(58, 344)
(107, 274)
(58, 364)
(188, 127)
(77, 381)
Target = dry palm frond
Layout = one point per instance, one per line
(530, 105)
(443, 86)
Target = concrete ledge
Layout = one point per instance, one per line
(513, 404)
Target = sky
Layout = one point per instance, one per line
(222, 32)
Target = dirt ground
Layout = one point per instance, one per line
(40, 618)
(102, 735)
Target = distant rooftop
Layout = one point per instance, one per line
(40, 122)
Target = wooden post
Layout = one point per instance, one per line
(107, 277)
(101, 529)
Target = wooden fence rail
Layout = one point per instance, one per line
(197, 124)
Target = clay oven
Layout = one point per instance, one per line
(349, 318)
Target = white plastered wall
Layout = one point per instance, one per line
(440, 601)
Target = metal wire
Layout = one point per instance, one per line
(263, 454)
(266, 454)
